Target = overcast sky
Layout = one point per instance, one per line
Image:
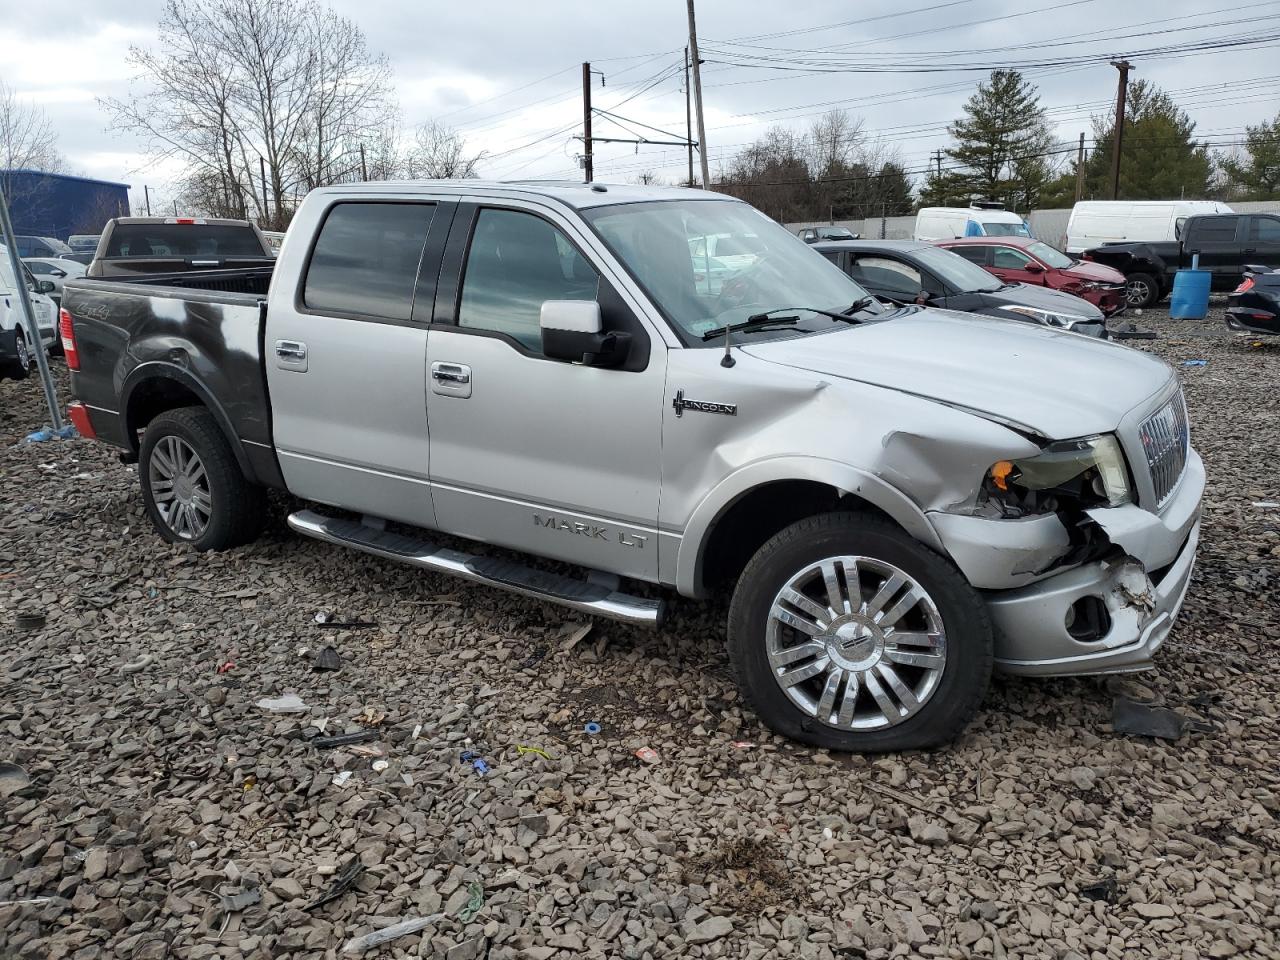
(508, 75)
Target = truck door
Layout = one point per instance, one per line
(346, 355)
(553, 458)
(1219, 241)
(1262, 242)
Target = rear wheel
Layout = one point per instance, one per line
(192, 486)
(1141, 290)
(846, 633)
(20, 366)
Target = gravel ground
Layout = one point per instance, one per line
(169, 815)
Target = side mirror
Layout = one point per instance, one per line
(1033, 267)
(45, 286)
(571, 332)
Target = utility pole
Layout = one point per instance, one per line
(688, 112)
(146, 193)
(1124, 66)
(1080, 170)
(364, 171)
(586, 120)
(262, 169)
(697, 96)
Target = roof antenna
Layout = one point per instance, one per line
(727, 360)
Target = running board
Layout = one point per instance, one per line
(581, 595)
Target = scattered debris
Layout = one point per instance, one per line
(1105, 890)
(343, 882)
(369, 717)
(368, 750)
(574, 633)
(29, 621)
(417, 729)
(327, 659)
(239, 901)
(535, 658)
(474, 904)
(136, 666)
(380, 765)
(1145, 720)
(592, 728)
(743, 745)
(407, 779)
(12, 779)
(387, 934)
(250, 782)
(226, 666)
(1194, 363)
(289, 703)
(330, 621)
(342, 779)
(1265, 504)
(648, 755)
(17, 903)
(67, 432)
(345, 739)
(521, 750)
(323, 617)
(477, 762)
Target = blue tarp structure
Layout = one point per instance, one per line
(59, 205)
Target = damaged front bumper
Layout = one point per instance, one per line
(1107, 615)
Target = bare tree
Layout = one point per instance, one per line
(647, 178)
(439, 152)
(27, 140)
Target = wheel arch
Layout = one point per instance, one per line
(765, 495)
(156, 387)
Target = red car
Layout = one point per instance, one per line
(1025, 260)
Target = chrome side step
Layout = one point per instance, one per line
(581, 595)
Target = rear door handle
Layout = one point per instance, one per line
(451, 379)
(291, 355)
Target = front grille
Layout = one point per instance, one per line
(1166, 439)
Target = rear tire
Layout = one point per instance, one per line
(920, 647)
(192, 487)
(19, 368)
(1141, 290)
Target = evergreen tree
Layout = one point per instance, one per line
(1003, 143)
(1256, 174)
(1159, 157)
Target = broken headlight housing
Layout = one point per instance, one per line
(1084, 473)
(1050, 318)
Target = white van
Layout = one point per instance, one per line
(1095, 222)
(951, 223)
(15, 352)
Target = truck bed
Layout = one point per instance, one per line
(196, 333)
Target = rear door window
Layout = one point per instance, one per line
(1213, 229)
(1264, 229)
(974, 253)
(365, 261)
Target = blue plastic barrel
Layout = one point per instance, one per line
(1190, 297)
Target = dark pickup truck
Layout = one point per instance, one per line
(1225, 243)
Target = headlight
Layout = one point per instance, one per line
(1050, 318)
(1090, 472)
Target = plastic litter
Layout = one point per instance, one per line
(521, 750)
(477, 762)
(592, 728)
(226, 666)
(648, 755)
(327, 659)
(475, 902)
(345, 739)
(136, 666)
(12, 779)
(343, 882)
(369, 717)
(1195, 363)
(417, 729)
(1105, 890)
(387, 934)
(380, 765)
(1147, 720)
(237, 902)
(68, 432)
(289, 703)
(341, 779)
(1265, 504)
(407, 779)
(743, 745)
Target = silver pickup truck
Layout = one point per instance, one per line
(898, 498)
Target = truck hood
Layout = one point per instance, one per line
(1048, 382)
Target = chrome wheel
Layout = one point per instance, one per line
(180, 487)
(1137, 292)
(856, 643)
(24, 355)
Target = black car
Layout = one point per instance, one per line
(1254, 306)
(909, 271)
(814, 234)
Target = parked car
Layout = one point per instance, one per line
(1254, 306)
(897, 498)
(1033, 262)
(148, 245)
(15, 342)
(1096, 222)
(40, 247)
(904, 271)
(1224, 242)
(83, 242)
(980, 220)
(814, 234)
(55, 270)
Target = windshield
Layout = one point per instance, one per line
(664, 245)
(1047, 254)
(998, 229)
(957, 272)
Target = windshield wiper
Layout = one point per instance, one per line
(857, 307)
(761, 321)
(767, 314)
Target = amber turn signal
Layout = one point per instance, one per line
(1000, 474)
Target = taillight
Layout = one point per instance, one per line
(67, 331)
(1246, 286)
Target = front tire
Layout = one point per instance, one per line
(192, 486)
(19, 368)
(1141, 290)
(846, 633)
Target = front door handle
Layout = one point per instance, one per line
(291, 355)
(450, 373)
